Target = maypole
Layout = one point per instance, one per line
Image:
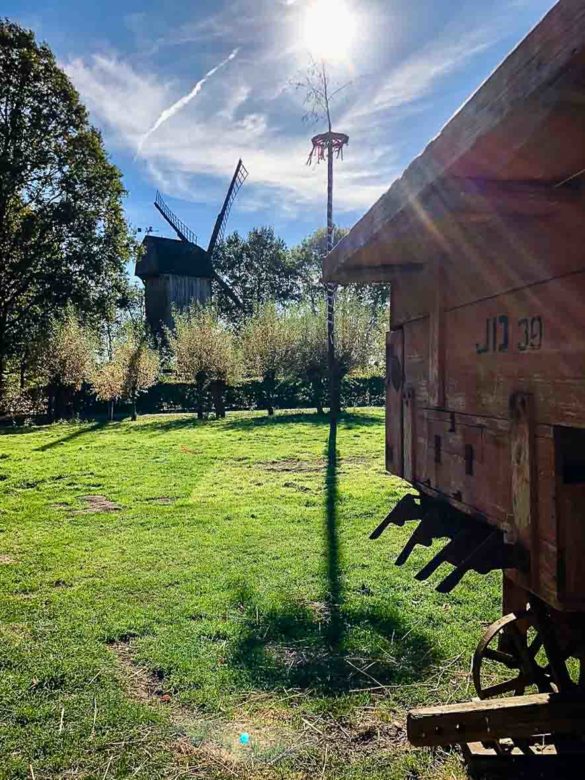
(328, 146)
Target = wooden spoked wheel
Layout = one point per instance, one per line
(514, 643)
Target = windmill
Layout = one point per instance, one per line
(177, 273)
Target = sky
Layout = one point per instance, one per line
(138, 68)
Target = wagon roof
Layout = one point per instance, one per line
(514, 148)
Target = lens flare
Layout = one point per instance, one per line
(329, 29)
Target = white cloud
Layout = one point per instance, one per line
(247, 111)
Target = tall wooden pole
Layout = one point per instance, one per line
(333, 393)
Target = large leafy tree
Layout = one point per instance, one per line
(259, 269)
(307, 258)
(63, 237)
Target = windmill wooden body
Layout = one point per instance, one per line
(178, 272)
(483, 243)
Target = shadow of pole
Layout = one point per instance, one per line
(334, 594)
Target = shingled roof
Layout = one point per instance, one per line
(170, 256)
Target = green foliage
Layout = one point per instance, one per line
(307, 258)
(267, 343)
(205, 352)
(259, 269)
(357, 338)
(132, 369)
(63, 237)
(69, 353)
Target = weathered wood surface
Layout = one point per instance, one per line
(515, 717)
(496, 134)
(394, 409)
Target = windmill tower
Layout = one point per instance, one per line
(179, 272)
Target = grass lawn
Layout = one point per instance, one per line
(167, 585)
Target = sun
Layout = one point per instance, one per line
(329, 29)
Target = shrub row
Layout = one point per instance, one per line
(172, 396)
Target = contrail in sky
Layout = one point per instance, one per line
(182, 102)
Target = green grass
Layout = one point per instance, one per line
(233, 590)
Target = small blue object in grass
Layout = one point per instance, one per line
(244, 738)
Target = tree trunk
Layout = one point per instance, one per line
(111, 410)
(318, 395)
(59, 402)
(269, 388)
(200, 385)
(134, 415)
(217, 392)
(3, 350)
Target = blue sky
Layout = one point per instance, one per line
(412, 66)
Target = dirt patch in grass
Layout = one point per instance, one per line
(139, 682)
(209, 746)
(207, 742)
(295, 466)
(297, 487)
(6, 560)
(98, 504)
(163, 500)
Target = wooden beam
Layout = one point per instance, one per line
(374, 274)
(479, 721)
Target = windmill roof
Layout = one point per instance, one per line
(171, 256)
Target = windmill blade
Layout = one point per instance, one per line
(185, 233)
(228, 290)
(239, 177)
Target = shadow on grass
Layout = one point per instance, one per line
(309, 648)
(310, 418)
(236, 422)
(329, 646)
(75, 434)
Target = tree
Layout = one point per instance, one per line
(359, 337)
(357, 343)
(107, 381)
(140, 366)
(224, 367)
(259, 269)
(63, 237)
(132, 368)
(267, 347)
(307, 257)
(69, 357)
(308, 328)
(205, 353)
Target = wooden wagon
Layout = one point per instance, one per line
(483, 243)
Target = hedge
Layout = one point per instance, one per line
(172, 396)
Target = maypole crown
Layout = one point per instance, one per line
(323, 141)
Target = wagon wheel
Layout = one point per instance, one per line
(506, 642)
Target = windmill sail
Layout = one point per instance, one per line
(239, 177)
(185, 233)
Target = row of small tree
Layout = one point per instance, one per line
(273, 346)
(72, 356)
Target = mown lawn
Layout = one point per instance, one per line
(167, 585)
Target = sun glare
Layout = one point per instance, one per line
(329, 28)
